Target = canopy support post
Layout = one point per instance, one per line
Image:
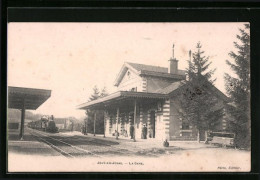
(95, 116)
(134, 120)
(117, 120)
(22, 120)
(105, 115)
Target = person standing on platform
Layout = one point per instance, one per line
(132, 131)
(144, 132)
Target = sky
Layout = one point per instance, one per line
(71, 58)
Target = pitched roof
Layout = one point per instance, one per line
(159, 69)
(172, 87)
(148, 70)
(140, 67)
(176, 85)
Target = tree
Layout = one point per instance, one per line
(103, 92)
(89, 120)
(238, 88)
(14, 115)
(95, 95)
(199, 105)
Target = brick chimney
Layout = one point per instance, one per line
(173, 64)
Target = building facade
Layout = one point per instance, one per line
(146, 101)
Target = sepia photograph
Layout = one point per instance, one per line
(128, 97)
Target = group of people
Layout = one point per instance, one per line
(125, 134)
(144, 132)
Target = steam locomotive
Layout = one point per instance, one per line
(44, 124)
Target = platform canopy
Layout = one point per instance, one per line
(122, 96)
(32, 98)
(121, 101)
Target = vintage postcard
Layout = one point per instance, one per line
(129, 97)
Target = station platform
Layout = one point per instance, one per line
(143, 144)
(28, 146)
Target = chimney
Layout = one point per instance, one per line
(173, 64)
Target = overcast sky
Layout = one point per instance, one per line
(71, 58)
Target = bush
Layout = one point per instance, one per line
(243, 140)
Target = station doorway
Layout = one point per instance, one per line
(152, 119)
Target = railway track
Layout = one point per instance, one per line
(64, 148)
(119, 149)
(93, 141)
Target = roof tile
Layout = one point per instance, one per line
(170, 88)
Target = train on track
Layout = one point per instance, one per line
(44, 124)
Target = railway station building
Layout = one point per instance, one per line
(146, 96)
